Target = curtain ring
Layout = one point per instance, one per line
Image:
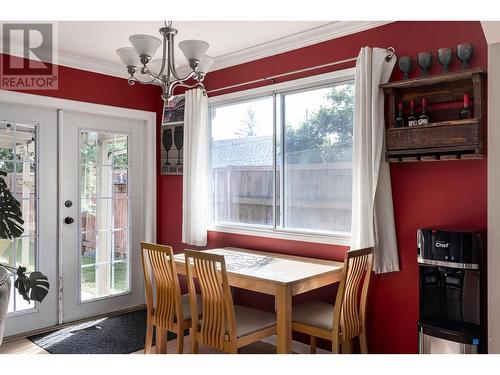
(390, 53)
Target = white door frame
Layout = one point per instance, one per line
(149, 118)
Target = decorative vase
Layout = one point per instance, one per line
(464, 54)
(4, 287)
(405, 65)
(444, 58)
(4, 298)
(424, 61)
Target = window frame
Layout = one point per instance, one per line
(281, 89)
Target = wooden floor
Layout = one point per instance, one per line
(25, 346)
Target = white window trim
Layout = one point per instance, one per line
(340, 238)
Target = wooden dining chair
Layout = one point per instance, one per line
(341, 322)
(224, 326)
(159, 270)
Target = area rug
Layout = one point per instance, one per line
(118, 334)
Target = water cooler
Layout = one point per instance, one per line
(451, 296)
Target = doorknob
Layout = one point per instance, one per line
(69, 220)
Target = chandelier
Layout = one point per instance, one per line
(163, 71)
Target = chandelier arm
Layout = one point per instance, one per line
(190, 75)
(166, 46)
(158, 77)
(174, 84)
(154, 81)
(171, 57)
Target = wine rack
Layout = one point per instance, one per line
(446, 137)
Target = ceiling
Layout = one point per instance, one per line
(91, 45)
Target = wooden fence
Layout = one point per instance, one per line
(120, 214)
(317, 196)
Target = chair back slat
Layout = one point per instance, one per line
(350, 305)
(218, 323)
(159, 270)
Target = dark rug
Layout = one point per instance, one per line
(119, 334)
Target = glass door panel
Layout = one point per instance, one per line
(18, 160)
(28, 157)
(104, 215)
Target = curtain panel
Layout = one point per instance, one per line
(194, 185)
(372, 209)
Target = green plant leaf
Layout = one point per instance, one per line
(11, 217)
(22, 283)
(39, 286)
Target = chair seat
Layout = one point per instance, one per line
(315, 313)
(186, 307)
(250, 320)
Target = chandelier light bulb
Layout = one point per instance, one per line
(193, 49)
(205, 64)
(128, 56)
(145, 45)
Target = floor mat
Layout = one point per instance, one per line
(118, 334)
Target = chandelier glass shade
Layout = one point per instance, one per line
(164, 71)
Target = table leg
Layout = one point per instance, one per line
(284, 319)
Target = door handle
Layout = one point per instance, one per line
(69, 220)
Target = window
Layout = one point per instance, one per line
(282, 161)
(18, 160)
(242, 162)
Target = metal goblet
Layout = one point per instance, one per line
(405, 65)
(424, 61)
(444, 58)
(464, 54)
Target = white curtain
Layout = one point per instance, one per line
(372, 211)
(194, 186)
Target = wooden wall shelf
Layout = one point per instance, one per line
(447, 137)
(431, 80)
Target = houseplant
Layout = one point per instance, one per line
(33, 287)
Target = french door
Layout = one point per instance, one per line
(102, 213)
(85, 184)
(28, 156)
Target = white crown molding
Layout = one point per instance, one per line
(83, 63)
(309, 37)
(96, 66)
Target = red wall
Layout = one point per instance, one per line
(451, 193)
(85, 86)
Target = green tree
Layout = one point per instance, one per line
(326, 135)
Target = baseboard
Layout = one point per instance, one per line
(297, 346)
(60, 326)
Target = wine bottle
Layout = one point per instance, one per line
(423, 119)
(412, 120)
(466, 112)
(400, 120)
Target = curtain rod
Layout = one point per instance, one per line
(390, 53)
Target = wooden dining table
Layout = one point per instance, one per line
(282, 276)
